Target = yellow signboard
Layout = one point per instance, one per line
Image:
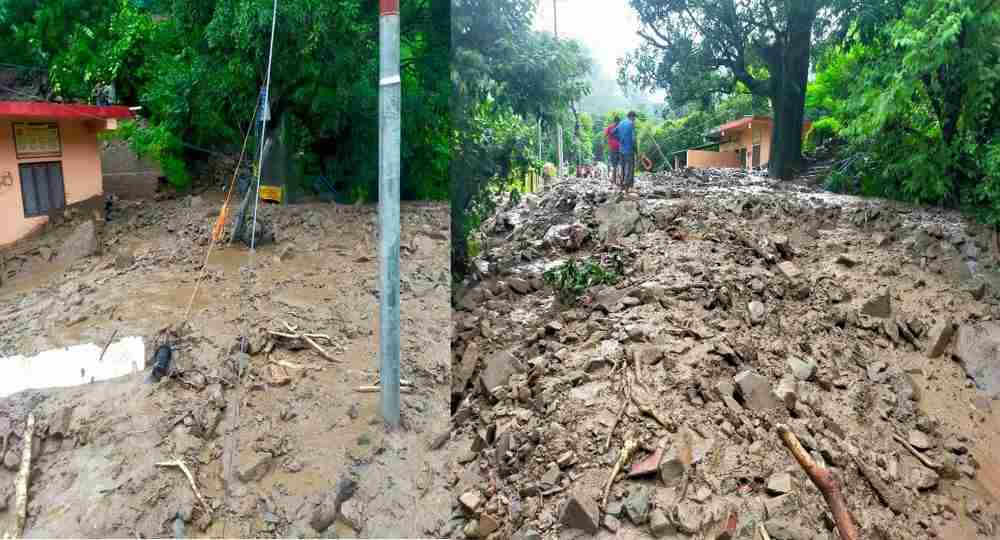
(270, 193)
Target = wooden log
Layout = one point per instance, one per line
(824, 481)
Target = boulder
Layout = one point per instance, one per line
(616, 220)
(978, 348)
(879, 307)
(497, 370)
(82, 242)
(941, 334)
(580, 512)
(756, 391)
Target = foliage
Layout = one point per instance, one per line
(505, 78)
(197, 67)
(572, 278)
(161, 145)
(697, 49)
(916, 102)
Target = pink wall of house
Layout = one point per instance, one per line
(81, 170)
(704, 159)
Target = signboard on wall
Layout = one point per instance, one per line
(37, 140)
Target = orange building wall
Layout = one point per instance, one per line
(702, 159)
(81, 167)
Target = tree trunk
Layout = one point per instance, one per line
(789, 77)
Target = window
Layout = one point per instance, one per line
(42, 188)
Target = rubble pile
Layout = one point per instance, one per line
(864, 326)
(276, 435)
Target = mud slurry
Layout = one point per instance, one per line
(743, 303)
(280, 443)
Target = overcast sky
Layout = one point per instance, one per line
(607, 27)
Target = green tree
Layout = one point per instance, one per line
(506, 77)
(698, 48)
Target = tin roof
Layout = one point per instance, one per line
(39, 109)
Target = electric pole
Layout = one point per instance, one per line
(559, 130)
(390, 91)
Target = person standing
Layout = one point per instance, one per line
(625, 132)
(614, 148)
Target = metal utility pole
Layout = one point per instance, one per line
(559, 130)
(263, 131)
(389, 90)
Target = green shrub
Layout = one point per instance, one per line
(573, 278)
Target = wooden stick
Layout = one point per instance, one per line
(176, 462)
(106, 345)
(305, 337)
(621, 412)
(923, 459)
(628, 448)
(881, 489)
(650, 412)
(22, 480)
(824, 481)
(763, 532)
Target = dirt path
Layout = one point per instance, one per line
(739, 304)
(303, 435)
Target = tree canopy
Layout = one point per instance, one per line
(507, 77)
(196, 67)
(699, 48)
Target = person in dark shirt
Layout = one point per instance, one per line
(625, 132)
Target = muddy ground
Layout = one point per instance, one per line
(280, 443)
(738, 304)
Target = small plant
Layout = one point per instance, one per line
(573, 278)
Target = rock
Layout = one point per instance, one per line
(956, 447)
(527, 534)
(920, 440)
(616, 220)
(566, 459)
(779, 483)
(567, 236)
(124, 261)
(81, 243)
(726, 390)
(580, 512)
(922, 478)
(780, 529)
(673, 466)
(256, 469)
(471, 500)
(519, 285)
(611, 351)
(846, 261)
(471, 529)
(498, 370)
(978, 348)
(609, 299)
(756, 312)
(647, 354)
(879, 307)
(285, 253)
(940, 336)
(487, 525)
(659, 525)
(789, 270)
(756, 391)
(611, 523)
(788, 392)
(12, 459)
(689, 517)
(551, 476)
(463, 374)
(803, 370)
(637, 507)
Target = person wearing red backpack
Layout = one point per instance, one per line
(614, 150)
